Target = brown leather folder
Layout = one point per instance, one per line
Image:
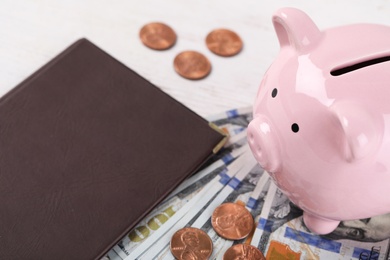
(87, 148)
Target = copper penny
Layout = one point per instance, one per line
(192, 65)
(224, 42)
(157, 36)
(191, 243)
(243, 252)
(232, 221)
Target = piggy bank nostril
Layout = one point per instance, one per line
(259, 151)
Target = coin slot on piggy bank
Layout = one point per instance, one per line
(359, 65)
(321, 124)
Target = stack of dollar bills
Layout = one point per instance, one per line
(233, 175)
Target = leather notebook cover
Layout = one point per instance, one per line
(87, 149)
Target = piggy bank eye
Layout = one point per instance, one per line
(295, 127)
(274, 92)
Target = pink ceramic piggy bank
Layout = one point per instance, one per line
(321, 124)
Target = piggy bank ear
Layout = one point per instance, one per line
(362, 130)
(294, 28)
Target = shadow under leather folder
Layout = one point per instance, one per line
(87, 149)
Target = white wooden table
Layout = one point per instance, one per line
(33, 31)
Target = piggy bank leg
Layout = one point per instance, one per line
(319, 225)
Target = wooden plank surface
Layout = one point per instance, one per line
(34, 31)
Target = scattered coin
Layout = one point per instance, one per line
(224, 42)
(232, 221)
(192, 65)
(244, 252)
(157, 36)
(191, 243)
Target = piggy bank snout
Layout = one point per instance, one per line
(263, 142)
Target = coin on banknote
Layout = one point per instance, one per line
(232, 221)
(192, 65)
(224, 42)
(191, 243)
(157, 36)
(244, 252)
